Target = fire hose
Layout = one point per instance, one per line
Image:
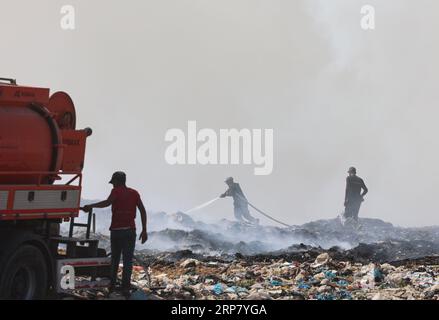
(268, 216)
(204, 205)
(263, 213)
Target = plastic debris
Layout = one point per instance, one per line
(218, 289)
(138, 295)
(380, 270)
(378, 275)
(245, 278)
(276, 283)
(321, 260)
(189, 263)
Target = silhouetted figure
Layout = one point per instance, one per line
(124, 203)
(355, 192)
(239, 201)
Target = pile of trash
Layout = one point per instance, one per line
(319, 278)
(320, 260)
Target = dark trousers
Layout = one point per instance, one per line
(241, 211)
(122, 242)
(353, 208)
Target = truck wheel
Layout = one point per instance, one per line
(24, 276)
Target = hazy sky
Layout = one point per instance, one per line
(334, 94)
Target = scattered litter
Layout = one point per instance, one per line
(200, 264)
(244, 279)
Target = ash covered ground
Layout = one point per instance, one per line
(179, 231)
(320, 260)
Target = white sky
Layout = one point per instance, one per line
(335, 95)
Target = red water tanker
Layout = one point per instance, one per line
(38, 139)
(39, 146)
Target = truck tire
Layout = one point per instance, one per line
(24, 276)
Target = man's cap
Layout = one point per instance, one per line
(229, 179)
(118, 176)
(352, 170)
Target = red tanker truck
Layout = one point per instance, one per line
(41, 162)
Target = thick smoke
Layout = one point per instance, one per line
(335, 95)
(180, 231)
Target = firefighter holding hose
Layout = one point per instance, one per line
(239, 201)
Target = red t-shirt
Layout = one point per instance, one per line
(124, 206)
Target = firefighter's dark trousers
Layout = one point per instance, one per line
(241, 211)
(353, 208)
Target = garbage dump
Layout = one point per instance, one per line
(320, 260)
(303, 275)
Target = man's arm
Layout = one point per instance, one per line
(346, 192)
(228, 193)
(365, 190)
(102, 204)
(143, 215)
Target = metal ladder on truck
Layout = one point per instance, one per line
(85, 256)
(91, 219)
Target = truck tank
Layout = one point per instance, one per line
(32, 142)
(28, 140)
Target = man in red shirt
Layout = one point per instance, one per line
(124, 203)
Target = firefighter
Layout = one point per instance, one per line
(124, 202)
(239, 201)
(354, 196)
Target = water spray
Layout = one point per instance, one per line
(202, 206)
